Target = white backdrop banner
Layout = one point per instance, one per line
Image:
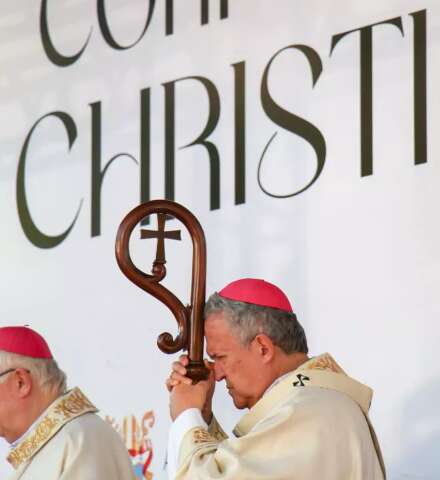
(301, 134)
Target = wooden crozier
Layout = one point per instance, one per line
(189, 318)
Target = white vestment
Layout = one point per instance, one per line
(311, 425)
(70, 442)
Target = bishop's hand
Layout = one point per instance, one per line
(184, 394)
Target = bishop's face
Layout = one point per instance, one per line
(240, 366)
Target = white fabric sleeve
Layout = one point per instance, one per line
(187, 420)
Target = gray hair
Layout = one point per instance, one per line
(46, 373)
(248, 320)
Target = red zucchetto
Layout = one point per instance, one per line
(24, 341)
(257, 292)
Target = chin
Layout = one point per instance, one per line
(240, 402)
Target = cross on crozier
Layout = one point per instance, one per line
(161, 235)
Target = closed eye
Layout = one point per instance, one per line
(214, 357)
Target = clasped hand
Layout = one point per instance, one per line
(184, 394)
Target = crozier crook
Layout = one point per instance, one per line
(189, 318)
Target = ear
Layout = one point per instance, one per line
(264, 347)
(23, 382)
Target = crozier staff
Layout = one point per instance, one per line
(54, 434)
(307, 418)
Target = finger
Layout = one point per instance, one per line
(170, 384)
(179, 368)
(180, 378)
(184, 360)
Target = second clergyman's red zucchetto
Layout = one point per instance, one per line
(258, 292)
(24, 341)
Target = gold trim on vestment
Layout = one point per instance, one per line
(200, 435)
(216, 430)
(323, 362)
(65, 408)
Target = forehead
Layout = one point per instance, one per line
(218, 333)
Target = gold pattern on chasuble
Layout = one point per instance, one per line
(200, 435)
(218, 436)
(73, 404)
(66, 408)
(324, 362)
(26, 448)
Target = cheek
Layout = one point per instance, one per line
(226, 368)
(249, 371)
(241, 368)
(240, 371)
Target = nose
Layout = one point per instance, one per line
(218, 372)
